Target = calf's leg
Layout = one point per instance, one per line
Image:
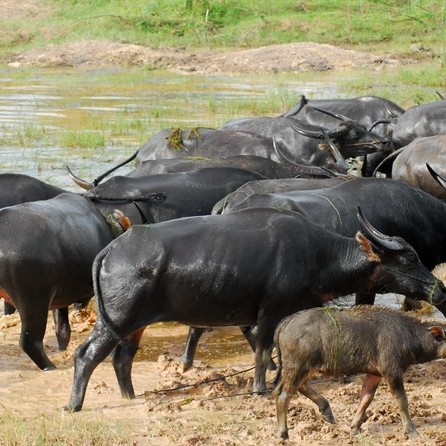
(322, 403)
(293, 378)
(367, 394)
(396, 386)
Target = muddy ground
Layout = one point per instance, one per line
(220, 412)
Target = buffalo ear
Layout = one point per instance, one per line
(367, 247)
(437, 332)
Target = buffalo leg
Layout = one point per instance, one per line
(250, 337)
(187, 358)
(367, 394)
(365, 298)
(194, 335)
(123, 357)
(264, 347)
(31, 336)
(8, 308)
(396, 386)
(322, 403)
(63, 329)
(88, 356)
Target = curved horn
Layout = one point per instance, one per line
(436, 176)
(98, 179)
(296, 109)
(141, 214)
(376, 237)
(380, 121)
(441, 96)
(333, 114)
(390, 112)
(301, 169)
(387, 159)
(340, 160)
(79, 181)
(317, 134)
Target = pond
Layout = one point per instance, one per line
(93, 119)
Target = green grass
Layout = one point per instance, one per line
(79, 430)
(388, 24)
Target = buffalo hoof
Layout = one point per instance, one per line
(71, 409)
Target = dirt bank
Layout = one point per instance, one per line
(294, 57)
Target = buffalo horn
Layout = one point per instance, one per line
(380, 121)
(441, 96)
(333, 114)
(301, 169)
(376, 237)
(296, 109)
(79, 181)
(340, 161)
(436, 176)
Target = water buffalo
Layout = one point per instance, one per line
(409, 163)
(374, 340)
(46, 252)
(173, 195)
(17, 188)
(368, 111)
(300, 138)
(365, 110)
(213, 143)
(264, 166)
(393, 207)
(420, 120)
(276, 186)
(248, 268)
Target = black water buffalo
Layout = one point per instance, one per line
(213, 143)
(276, 186)
(420, 120)
(365, 110)
(248, 268)
(393, 207)
(409, 163)
(17, 188)
(46, 252)
(301, 138)
(171, 195)
(264, 166)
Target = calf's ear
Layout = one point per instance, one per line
(437, 332)
(367, 247)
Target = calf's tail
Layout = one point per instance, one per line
(279, 357)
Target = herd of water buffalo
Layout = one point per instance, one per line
(245, 226)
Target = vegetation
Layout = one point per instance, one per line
(384, 24)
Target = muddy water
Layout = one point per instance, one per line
(40, 109)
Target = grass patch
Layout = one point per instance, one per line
(232, 23)
(62, 430)
(83, 139)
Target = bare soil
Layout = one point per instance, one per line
(217, 407)
(293, 57)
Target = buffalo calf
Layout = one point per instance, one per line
(378, 341)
